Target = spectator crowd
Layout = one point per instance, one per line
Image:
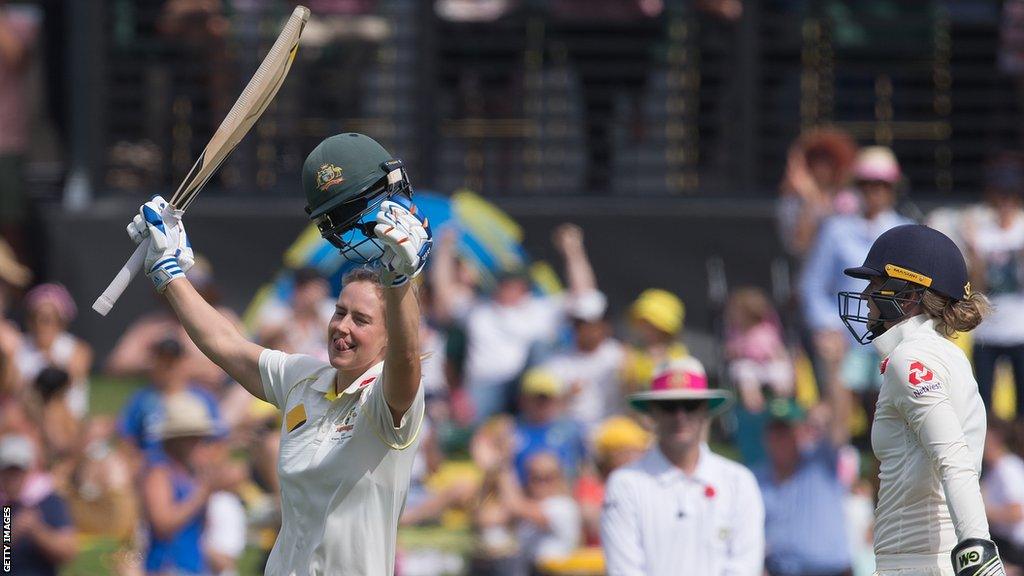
(557, 438)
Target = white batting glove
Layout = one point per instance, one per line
(407, 240)
(170, 253)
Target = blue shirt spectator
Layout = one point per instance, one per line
(563, 438)
(182, 552)
(26, 556)
(541, 426)
(805, 525)
(43, 536)
(143, 414)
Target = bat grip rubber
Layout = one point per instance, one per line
(106, 301)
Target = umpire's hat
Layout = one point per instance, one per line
(918, 254)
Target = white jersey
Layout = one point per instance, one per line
(31, 361)
(344, 469)
(593, 378)
(657, 521)
(928, 435)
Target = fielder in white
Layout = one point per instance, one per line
(350, 427)
(929, 427)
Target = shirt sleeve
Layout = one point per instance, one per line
(746, 548)
(620, 529)
(397, 437)
(817, 283)
(921, 395)
(280, 371)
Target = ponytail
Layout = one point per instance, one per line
(952, 316)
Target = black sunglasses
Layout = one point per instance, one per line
(688, 406)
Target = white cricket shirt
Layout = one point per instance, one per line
(657, 521)
(344, 469)
(928, 435)
(594, 379)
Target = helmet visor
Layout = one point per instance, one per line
(892, 300)
(349, 226)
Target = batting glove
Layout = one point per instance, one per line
(170, 253)
(977, 557)
(407, 240)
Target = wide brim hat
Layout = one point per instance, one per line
(877, 163)
(683, 379)
(186, 416)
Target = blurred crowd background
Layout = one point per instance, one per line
(615, 184)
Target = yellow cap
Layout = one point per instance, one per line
(660, 308)
(620, 433)
(538, 381)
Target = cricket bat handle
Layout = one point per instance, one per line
(106, 301)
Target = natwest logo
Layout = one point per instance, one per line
(919, 374)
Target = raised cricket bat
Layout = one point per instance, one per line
(255, 98)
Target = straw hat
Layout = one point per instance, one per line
(185, 415)
(877, 163)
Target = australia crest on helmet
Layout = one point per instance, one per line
(328, 175)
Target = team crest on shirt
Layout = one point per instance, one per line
(349, 422)
(922, 379)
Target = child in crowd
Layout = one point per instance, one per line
(756, 353)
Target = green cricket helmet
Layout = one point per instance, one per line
(345, 178)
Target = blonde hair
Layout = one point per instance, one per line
(364, 275)
(952, 316)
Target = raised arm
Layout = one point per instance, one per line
(217, 336)
(168, 258)
(407, 239)
(402, 360)
(444, 277)
(14, 46)
(579, 274)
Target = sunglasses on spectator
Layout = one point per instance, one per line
(543, 477)
(688, 406)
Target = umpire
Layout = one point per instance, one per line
(682, 509)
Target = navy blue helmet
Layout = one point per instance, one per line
(909, 259)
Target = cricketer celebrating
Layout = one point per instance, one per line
(350, 427)
(929, 426)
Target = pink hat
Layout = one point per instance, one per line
(877, 163)
(55, 294)
(682, 379)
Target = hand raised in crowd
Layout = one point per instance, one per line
(568, 238)
(491, 447)
(798, 176)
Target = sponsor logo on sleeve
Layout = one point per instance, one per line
(922, 379)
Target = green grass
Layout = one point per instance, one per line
(107, 395)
